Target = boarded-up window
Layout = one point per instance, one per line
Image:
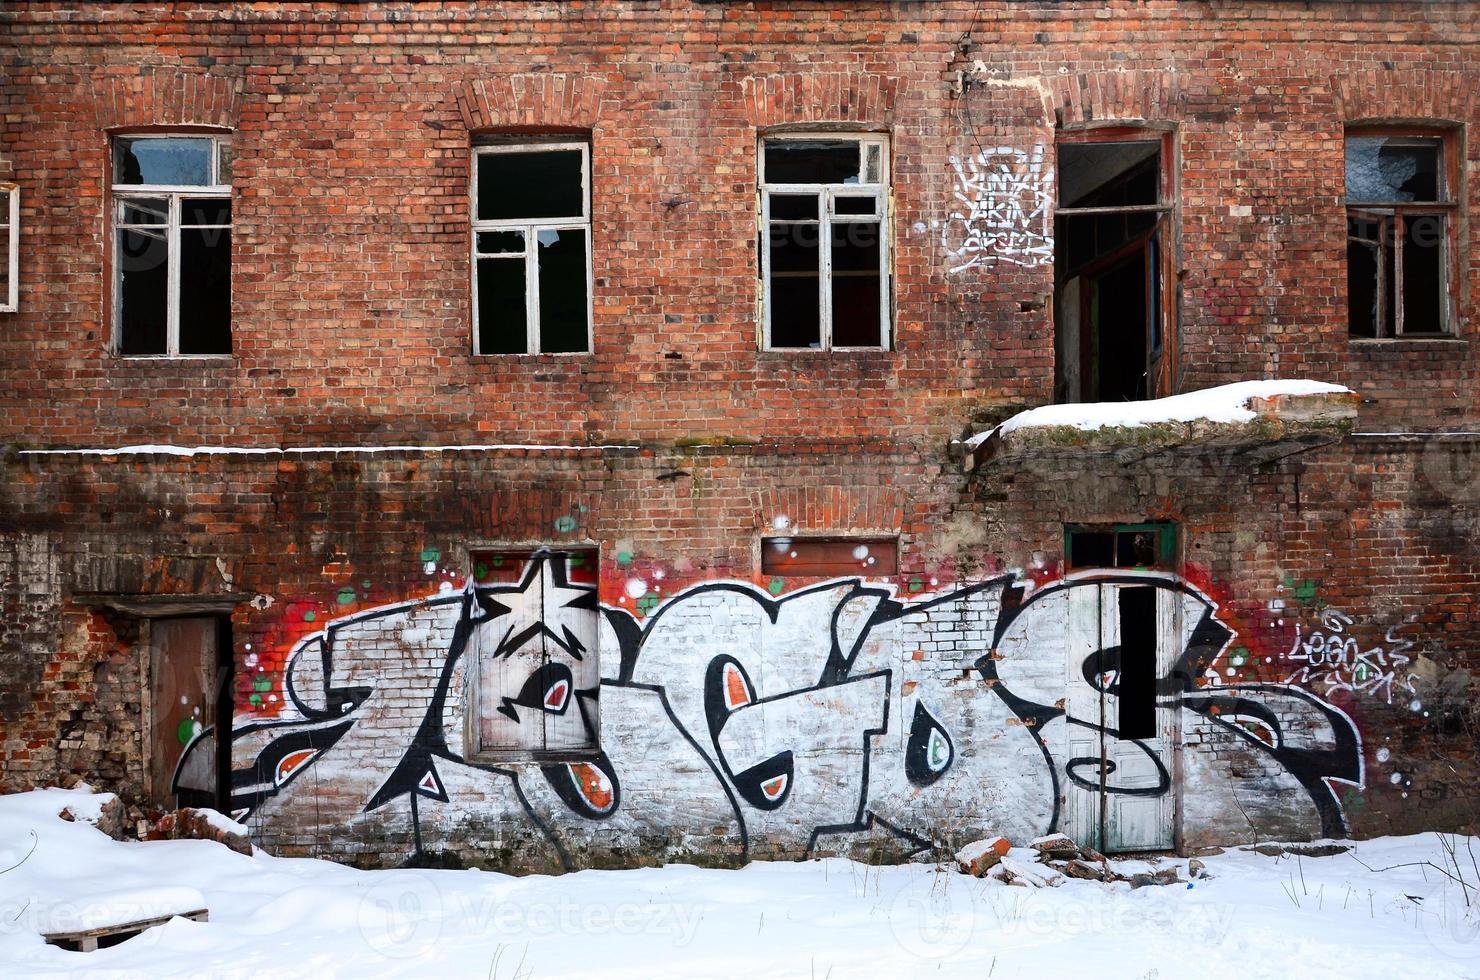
(537, 674)
(829, 556)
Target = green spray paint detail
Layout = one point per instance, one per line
(624, 558)
(430, 554)
(185, 731)
(261, 684)
(647, 603)
(480, 571)
(582, 508)
(565, 523)
(1306, 591)
(346, 596)
(366, 584)
(1238, 657)
(775, 586)
(310, 616)
(916, 584)
(255, 700)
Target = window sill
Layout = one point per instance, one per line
(173, 358)
(810, 351)
(1418, 339)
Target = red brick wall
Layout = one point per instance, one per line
(350, 324)
(350, 272)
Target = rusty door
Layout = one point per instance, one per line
(183, 674)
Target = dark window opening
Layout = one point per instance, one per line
(829, 556)
(531, 249)
(824, 249)
(1136, 685)
(519, 186)
(1398, 235)
(1108, 341)
(1130, 546)
(808, 161)
(172, 246)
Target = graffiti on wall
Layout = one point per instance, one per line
(737, 721)
(1004, 208)
(1331, 659)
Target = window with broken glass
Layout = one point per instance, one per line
(532, 249)
(825, 242)
(171, 245)
(10, 240)
(1399, 221)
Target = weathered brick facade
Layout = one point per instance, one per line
(678, 444)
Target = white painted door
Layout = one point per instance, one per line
(1121, 736)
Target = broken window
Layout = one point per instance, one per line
(824, 252)
(10, 240)
(535, 673)
(532, 249)
(830, 556)
(171, 245)
(1110, 342)
(1398, 226)
(1120, 546)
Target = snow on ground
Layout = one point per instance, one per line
(1257, 916)
(1225, 403)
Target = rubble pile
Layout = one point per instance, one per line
(1049, 861)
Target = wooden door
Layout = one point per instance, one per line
(1122, 736)
(183, 673)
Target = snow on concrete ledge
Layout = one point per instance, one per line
(1243, 413)
(1226, 403)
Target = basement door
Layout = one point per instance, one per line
(187, 683)
(1122, 639)
(538, 653)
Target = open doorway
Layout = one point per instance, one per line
(1110, 336)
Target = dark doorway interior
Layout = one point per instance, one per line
(1107, 271)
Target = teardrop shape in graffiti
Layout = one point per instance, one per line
(590, 788)
(291, 763)
(556, 696)
(737, 687)
(766, 785)
(930, 751)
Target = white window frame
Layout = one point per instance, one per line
(530, 227)
(827, 195)
(175, 194)
(10, 228)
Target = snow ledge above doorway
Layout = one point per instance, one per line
(1261, 417)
